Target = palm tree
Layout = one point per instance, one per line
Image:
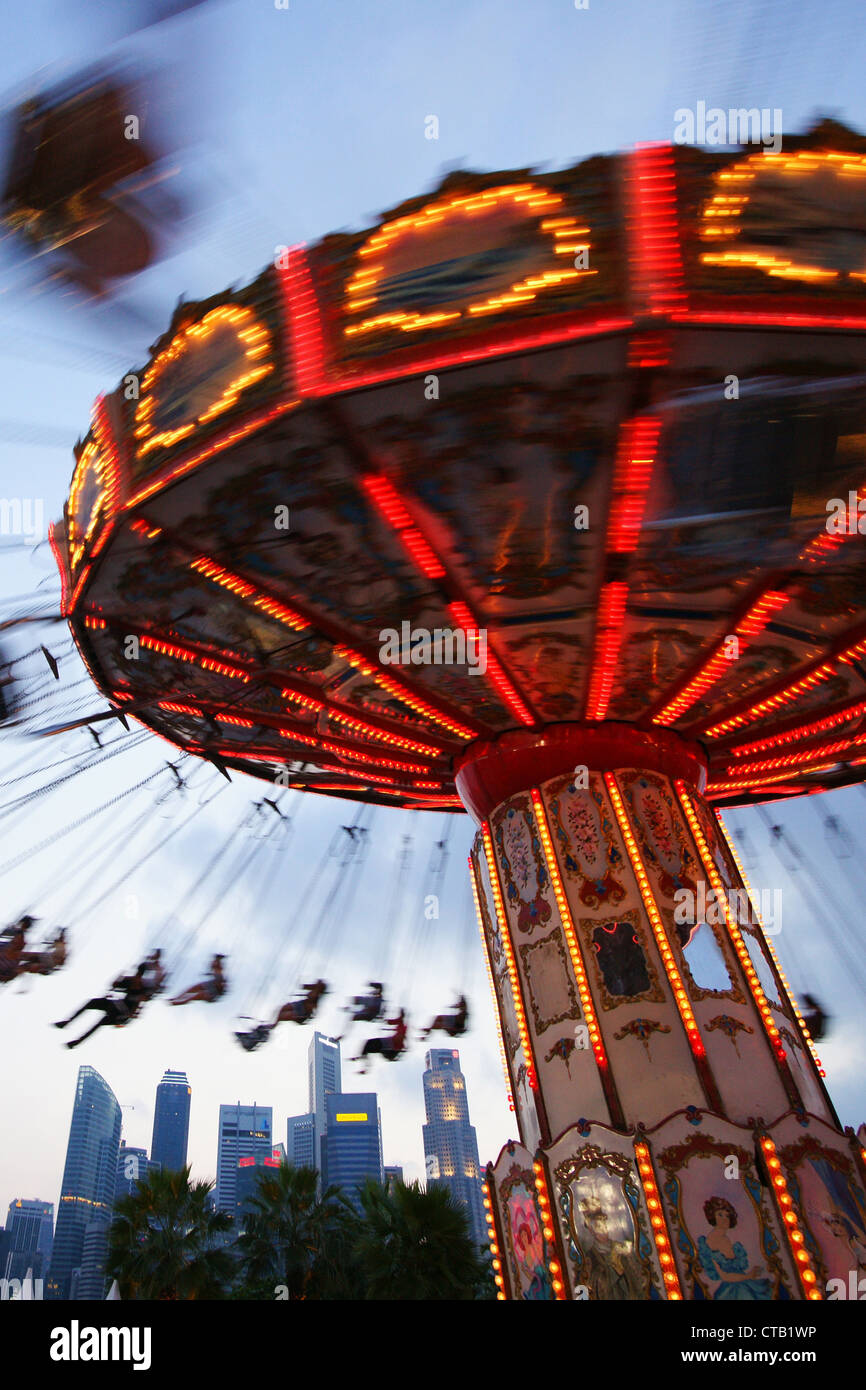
(164, 1240)
(293, 1239)
(415, 1244)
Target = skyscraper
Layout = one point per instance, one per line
(30, 1226)
(249, 1174)
(88, 1175)
(325, 1079)
(450, 1145)
(352, 1142)
(244, 1132)
(301, 1141)
(171, 1121)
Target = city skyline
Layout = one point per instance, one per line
(124, 1181)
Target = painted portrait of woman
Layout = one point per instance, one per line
(726, 1260)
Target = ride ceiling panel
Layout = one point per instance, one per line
(446, 498)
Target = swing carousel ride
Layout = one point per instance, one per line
(540, 499)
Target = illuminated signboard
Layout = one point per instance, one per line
(90, 499)
(466, 257)
(343, 1119)
(790, 216)
(202, 373)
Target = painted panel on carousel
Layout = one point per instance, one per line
(775, 222)
(793, 217)
(831, 1201)
(618, 948)
(694, 923)
(219, 357)
(518, 1063)
(750, 909)
(609, 1247)
(92, 498)
(524, 875)
(527, 1251)
(723, 1230)
(548, 982)
(586, 841)
(483, 248)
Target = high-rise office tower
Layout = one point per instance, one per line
(133, 1167)
(89, 1174)
(393, 1175)
(352, 1142)
(171, 1121)
(244, 1132)
(450, 1145)
(301, 1141)
(249, 1174)
(30, 1227)
(325, 1080)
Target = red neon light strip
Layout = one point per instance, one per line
(836, 751)
(816, 672)
(822, 546)
(765, 783)
(655, 234)
(303, 322)
(179, 653)
(735, 319)
(608, 639)
(753, 622)
(293, 618)
(402, 693)
(853, 710)
(203, 564)
(633, 468)
(463, 617)
(390, 506)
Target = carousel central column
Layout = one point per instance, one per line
(634, 985)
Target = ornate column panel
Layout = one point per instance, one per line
(648, 1050)
(616, 1246)
(559, 1023)
(828, 1203)
(496, 934)
(527, 1244)
(803, 1060)
(695, 928)
(727, 1234)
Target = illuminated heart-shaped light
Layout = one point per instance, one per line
(773, 178)
(202, 373)
(401, 250)
(89, 499)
